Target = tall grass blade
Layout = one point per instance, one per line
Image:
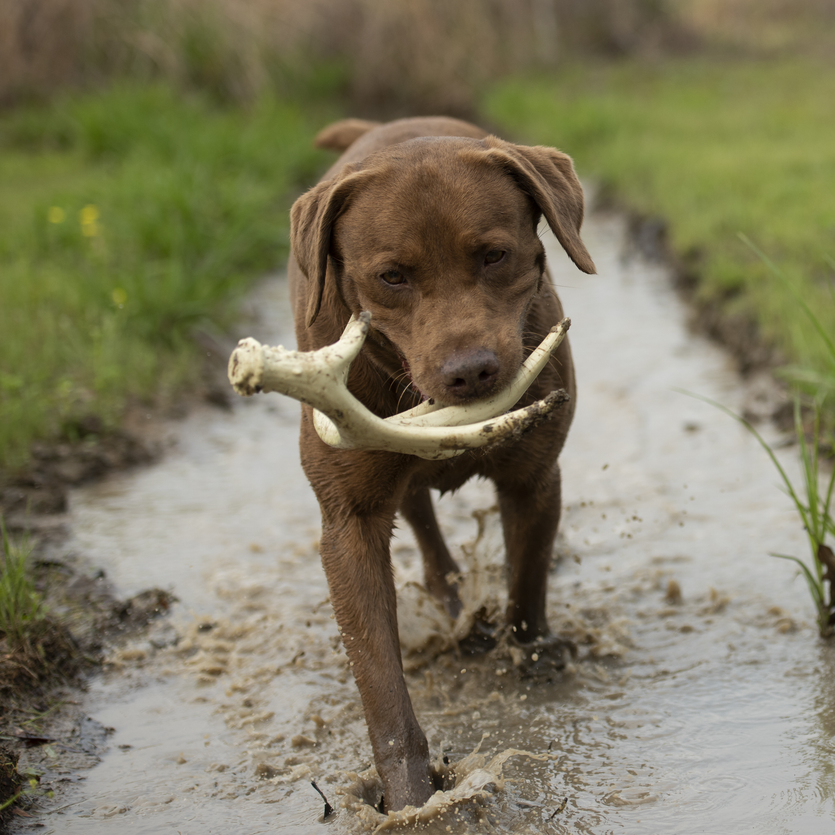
(815, 512)
(814, 585)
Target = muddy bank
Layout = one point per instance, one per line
(736, 332)
(41, 487)
(43, 681)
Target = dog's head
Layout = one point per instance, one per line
(437, 237)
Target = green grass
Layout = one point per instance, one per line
(818, 522)
(21, 606)
(717, 149)
(128, 219)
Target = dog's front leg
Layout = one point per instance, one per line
(356, 557)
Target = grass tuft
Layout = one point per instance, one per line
(813, 505)
(21, 606)
(35, 648)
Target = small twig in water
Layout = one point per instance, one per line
(558, 809)
(328, 807)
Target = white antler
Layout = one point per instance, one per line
(320, 379)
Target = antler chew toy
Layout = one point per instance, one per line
(320, 379)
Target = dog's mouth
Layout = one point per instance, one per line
(413, 386)
(386, 350)
(465, 377)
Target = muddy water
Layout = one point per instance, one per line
(700, 699)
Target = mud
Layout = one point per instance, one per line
(42, 487)
(698, 698)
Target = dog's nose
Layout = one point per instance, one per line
(470, 374)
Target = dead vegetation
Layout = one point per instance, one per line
(762, 26)
(413, 55)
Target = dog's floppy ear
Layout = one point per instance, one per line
(311, 227)
(547, 175)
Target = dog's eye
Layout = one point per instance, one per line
(393, 277)
(494, 256)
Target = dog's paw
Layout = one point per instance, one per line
(543, 657)
(482, 637)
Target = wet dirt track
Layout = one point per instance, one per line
(700, 701)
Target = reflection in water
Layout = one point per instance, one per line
(700, 699)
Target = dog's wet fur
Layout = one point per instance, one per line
(430, 224)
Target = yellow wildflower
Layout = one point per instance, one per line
(89, 216)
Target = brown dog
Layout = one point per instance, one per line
(431, 225)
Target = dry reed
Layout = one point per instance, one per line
(385, 57)
(409, 55)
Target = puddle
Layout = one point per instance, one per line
(700, 699)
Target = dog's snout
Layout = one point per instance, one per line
(470, 374)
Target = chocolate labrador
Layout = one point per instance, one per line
(430, 224)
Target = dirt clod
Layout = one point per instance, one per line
(42, 487)
(673, 594)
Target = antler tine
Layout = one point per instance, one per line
(314, 377)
